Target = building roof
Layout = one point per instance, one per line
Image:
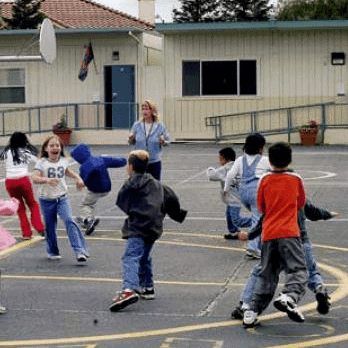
(181, 28)
(82, 14)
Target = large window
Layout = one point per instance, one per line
(12, 86)
(236, 77)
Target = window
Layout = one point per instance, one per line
(12, 86)
(219, 78)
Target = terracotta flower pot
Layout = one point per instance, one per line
(308, 136)
(64, 135)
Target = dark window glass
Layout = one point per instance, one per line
(247, 77)
(219, 78)
(190, 78)
(12, 95)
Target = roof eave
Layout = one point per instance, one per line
(177, 28)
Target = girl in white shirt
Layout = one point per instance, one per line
(50, 172)
(18, 154)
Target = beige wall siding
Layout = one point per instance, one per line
(293, 67)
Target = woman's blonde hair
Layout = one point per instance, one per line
(153, 107)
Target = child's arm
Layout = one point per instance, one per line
(79, 182)
(218, 174)
(164, 139)
(314, 213)
(114, 162)
(38, 178)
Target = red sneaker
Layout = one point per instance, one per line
(124, 299)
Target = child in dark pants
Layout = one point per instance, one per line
(280, 195)
(146, 202)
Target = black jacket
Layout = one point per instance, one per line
(146, 202)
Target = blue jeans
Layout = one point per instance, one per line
(234, 220)
(314, 276)
(248, 198)
(137, 264)
(51, 209)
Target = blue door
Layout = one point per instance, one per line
(120, 107)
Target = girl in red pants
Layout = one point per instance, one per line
(17, 156)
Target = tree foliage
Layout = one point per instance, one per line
(25, 15)
(222, 11)
(313, 9)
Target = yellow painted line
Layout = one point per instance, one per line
(339, 294)
(330, 247)
(106, 280)
(19, 246)
(319, 342)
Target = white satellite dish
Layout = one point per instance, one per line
(48, 46)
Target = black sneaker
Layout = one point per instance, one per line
(323, 299)
(148, 294)
(285, 303)
(91, 224)
(238, 312)
(231, 235)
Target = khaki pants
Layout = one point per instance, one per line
(88, 203)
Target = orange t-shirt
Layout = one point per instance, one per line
(279, 197)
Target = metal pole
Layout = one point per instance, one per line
(76, 116)
(323, 121)
(289, 124)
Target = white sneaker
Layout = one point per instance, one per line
(81, 258)
(250, 319)
(3, 309)
(54, 257)
(285, 303)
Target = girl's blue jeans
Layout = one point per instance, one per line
(314, 276)
(51, 209)
(137, 264)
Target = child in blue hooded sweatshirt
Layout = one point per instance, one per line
(94, 173)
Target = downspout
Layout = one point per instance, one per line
(139, 72)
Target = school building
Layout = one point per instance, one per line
(192, 70)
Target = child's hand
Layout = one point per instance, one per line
(243, 236)
(131, 139)
(80, 184)
(162, 140)
(52, 182)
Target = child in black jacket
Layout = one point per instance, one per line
(146, 202)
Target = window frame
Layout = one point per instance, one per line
(200, 61)
(24, 86)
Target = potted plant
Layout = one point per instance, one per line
(309, 133)
(62, 130)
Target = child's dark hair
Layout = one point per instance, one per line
(43, 152)
(228, 154)
(18, 140)
(254, 143)
(139, 160)
(280, 155)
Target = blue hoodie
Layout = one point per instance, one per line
(94, 169)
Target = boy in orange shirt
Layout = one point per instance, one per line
(279, 197)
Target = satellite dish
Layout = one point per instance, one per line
(48, 46)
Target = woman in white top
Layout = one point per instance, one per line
(18, 154)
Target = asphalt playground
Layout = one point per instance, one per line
(198, 274)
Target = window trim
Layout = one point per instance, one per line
(25, 86)
(238, 95)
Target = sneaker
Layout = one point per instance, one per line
(253, 254)
(26, 238)
(231, 235)
(123, 299)
(91, 224)
(323, 299)
(82, 222)
(238, 312)
(41, 233)
(148, 294)
(54, 257)
(81, 258)
(250, 319)
(285, 303)
(3, 309)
